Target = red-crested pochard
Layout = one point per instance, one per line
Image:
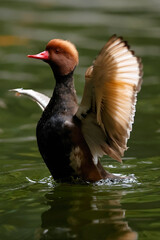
(72, 138)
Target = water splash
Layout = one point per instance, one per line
(122, 180)
(46, 180)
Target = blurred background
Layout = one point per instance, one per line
(30, 206)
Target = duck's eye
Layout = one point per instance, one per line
(57, 50)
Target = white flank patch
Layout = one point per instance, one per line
(76, 158)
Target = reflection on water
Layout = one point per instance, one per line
(84, 214)
(76, 211)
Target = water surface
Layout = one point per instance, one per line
(32, 205)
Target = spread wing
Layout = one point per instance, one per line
(41, 99)
(112, 82)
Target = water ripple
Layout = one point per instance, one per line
(18, 139)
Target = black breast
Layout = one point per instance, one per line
(54, 142)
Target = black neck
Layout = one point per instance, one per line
(65, 82)
(63, 100)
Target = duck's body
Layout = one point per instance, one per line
(70, 138)
(53, 134)
(60, 138)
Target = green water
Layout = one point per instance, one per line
(32, 206)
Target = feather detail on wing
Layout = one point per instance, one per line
(115, 77)
(41, 99)
(87, 95)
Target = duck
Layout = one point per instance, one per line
(72, 138)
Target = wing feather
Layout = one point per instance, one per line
(110, 96)
(117, 77)
(41, 99)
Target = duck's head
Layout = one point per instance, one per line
(61, 55)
